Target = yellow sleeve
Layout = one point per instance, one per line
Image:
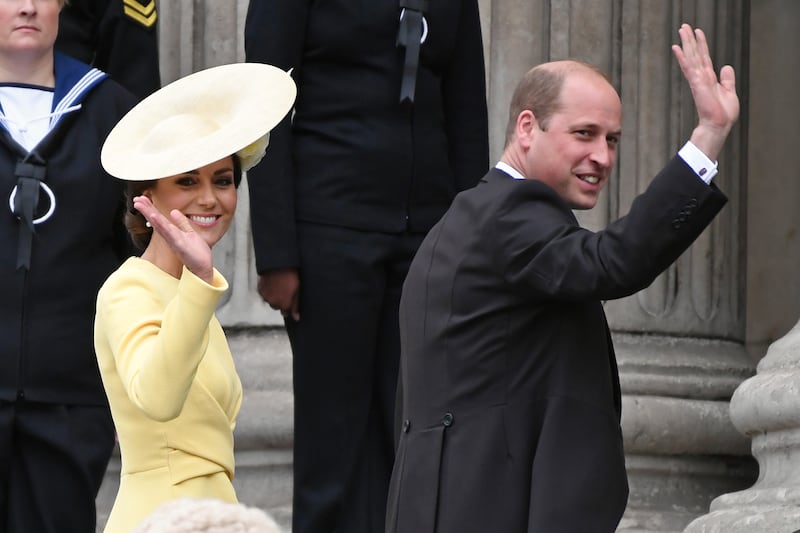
(158, 348)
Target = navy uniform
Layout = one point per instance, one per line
(61, 235)
(119, 37)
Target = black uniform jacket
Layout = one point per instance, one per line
(119, 37)
(512, 399)
(46, 312)
(354, 156)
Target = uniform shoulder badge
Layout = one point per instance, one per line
(141, 11)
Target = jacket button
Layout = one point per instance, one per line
(406, 425)
(447, 420)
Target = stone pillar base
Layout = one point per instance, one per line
(767, 408)
(668, 492)
(682, 449)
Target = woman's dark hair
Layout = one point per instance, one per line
(135, 222)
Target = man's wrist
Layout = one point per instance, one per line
(698, 161)
(709, 140)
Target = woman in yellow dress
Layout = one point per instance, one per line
(166, 366)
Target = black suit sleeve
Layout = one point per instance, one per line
(464, 99)
(275, 34)
(542, 250)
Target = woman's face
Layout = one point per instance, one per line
(206, 196)
(28, 25)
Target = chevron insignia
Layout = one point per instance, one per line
(141, 11)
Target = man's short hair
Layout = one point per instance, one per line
(539, 91)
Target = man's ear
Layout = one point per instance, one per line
(526, 127)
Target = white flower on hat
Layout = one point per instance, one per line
(251, 155)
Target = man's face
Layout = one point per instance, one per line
(576, 151)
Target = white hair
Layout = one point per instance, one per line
(194, 515)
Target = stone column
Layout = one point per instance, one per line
(679, 342)
(766, 406)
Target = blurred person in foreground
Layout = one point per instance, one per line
(206, 515)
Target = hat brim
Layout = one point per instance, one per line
(197, 120)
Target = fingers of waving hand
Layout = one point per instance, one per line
(144, 206)
(177, 232)
(715, 98)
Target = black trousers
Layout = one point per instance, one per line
(346, 350)
(52, 461)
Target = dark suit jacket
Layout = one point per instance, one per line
(512, 406)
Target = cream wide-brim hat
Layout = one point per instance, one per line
(199, 119)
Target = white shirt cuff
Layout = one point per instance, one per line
(705, 168)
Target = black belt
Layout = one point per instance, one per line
(412, 33)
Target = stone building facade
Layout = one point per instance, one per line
(688, 342)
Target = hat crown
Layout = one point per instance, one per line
(171, 132)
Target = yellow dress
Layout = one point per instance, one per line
(172, 386)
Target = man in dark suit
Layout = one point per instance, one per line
(512, 406)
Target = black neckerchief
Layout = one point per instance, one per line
(30, 173)
(410, 36)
